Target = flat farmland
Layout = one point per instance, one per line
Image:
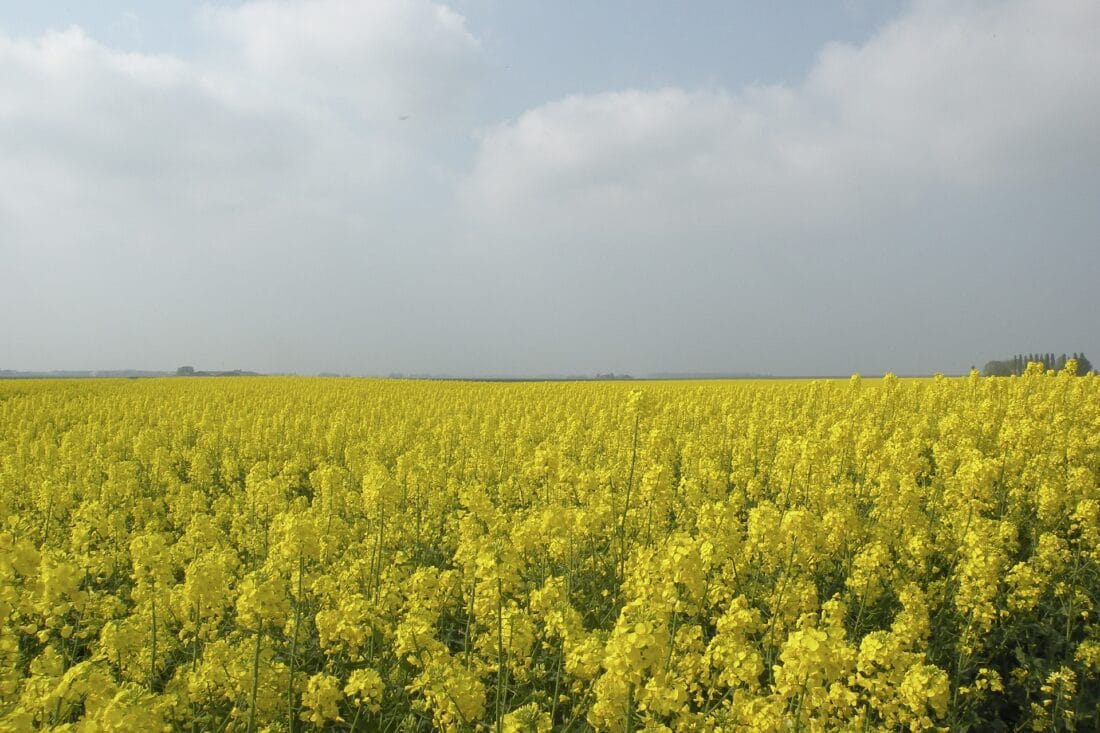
(280, 554)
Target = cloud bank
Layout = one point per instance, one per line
(953, 94)
(315, 190)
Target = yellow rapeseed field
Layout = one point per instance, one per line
(294, 554)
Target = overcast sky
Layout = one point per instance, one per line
(511, 187)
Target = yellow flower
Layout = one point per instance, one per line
(321, 699)
(365, 687)
(262, 600)
(527, 719)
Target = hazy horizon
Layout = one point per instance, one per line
(217, 369)
(480, 187)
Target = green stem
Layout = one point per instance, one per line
(628, 724)
(626, 500)
(579, 708)
(255, 679)
(557, 683)
(291, 721)
(153, 662)
(376, 569)
(500, 656)
(469, 618)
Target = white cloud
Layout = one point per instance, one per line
(299, 107)
(970, 92)
(97, 140)
(296, 112)
(952, 94)
(888, 209)
(383, 59)
(235, 200)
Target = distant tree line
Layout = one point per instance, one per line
(190, 371)
(1018, 364)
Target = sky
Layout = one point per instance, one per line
(509, 187)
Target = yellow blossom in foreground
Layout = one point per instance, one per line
(365, 687)
(321, 699)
